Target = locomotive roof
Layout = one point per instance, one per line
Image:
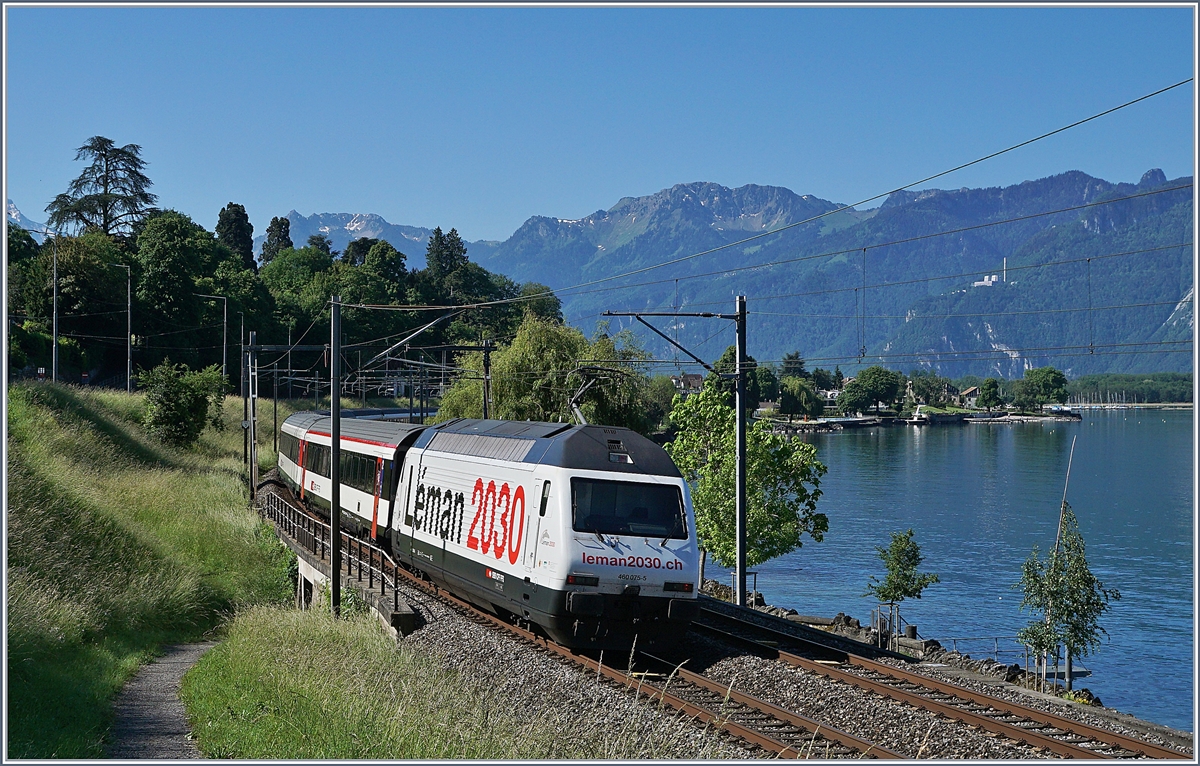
(590, 447)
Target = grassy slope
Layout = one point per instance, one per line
(289, 684)
(116, 545)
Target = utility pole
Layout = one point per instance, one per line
(54, 354)
(253, 415)
(245, 413)
(224, 325)
(291, 372)
(275, 406)
(487, 378)
(335, 458)
(739, 318)
(741, 450)
(129, 327)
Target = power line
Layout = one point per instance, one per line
(551, 293)
(920, 280)
(834, 253)
(911, 317)
(885, 194)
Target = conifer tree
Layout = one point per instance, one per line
(235, 231)
(110, 194)
(278, 238)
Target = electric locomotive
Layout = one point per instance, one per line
(586, 531)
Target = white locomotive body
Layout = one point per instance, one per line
(586, 531)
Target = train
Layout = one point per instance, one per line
(584, 531)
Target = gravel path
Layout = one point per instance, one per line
(150, 720)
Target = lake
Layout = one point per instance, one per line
(979, 497)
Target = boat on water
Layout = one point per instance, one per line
(920, 418)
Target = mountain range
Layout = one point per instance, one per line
(968, 281)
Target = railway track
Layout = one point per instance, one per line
(758, 723)
(1061, 736)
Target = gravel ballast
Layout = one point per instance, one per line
(543, 687)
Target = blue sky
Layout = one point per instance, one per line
(481, 117)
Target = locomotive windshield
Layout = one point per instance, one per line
(627, 508)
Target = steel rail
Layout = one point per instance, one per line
(1059, 746)
(297, 524)
(775, 717)
(815, 728)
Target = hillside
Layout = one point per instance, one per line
(892, 284)
(816, 303)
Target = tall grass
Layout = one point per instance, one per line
(116, 545)
(289, 684)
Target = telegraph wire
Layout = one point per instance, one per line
(485, 304)
(833, 253)
(885, 194)
(919, 280)
(913, 317)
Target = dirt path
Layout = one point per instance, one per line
(150, 720)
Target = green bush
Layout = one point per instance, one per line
(181, 401)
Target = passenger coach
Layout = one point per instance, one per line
(586, 531)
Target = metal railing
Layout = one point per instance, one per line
(314, 536)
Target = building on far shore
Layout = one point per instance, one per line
(688, 383)
(969, 397)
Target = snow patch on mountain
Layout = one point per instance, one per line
(37, 230)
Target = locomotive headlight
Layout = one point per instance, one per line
(682, 587)
(582, 580)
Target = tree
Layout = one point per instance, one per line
(444, 254)
(822, 379)
(782, 480)
(235, 232)
(793, 366)
(21, 245)
(727, 365)
(798, 396)
(1025, 396)
(881, 384)
(23, 268)
(322, 243)
(768, 383)
(1065, 597)
(278, 238)
(173, 252)
(1045, 385)
(547, 363)
(542, 302)
(109, 195)
(388, 264)
(928, 387)
(838, 379)
(853, 398)
(660, 399)
(989, 394)
(355, 253)
(180, 402)
(901, 558)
